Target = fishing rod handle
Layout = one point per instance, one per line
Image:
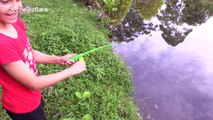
(81, 59)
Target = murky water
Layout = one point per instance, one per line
(172, 83)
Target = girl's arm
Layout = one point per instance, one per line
(51, 59)
(19, 71)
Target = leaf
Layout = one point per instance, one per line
(68, 119)
(87, 117)
(86, 94)
(78, 94)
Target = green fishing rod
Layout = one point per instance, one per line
(81, 55)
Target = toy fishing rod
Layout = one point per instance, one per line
(81, 55)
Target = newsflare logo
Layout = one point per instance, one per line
(28, 9)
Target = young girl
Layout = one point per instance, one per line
(19, 79)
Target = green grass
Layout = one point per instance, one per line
(68, 27)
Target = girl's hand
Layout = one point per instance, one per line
(64, 60)
(78, 67)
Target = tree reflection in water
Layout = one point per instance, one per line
(177, 17)
(132, 26)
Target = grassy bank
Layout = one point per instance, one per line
(104, 92)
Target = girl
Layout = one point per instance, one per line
(19, 79)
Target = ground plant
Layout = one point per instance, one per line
(104, 91)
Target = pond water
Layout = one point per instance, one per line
(173, 73)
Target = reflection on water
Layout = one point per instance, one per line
(175, 21)
(172, 83)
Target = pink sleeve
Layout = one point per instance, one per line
(8, 53)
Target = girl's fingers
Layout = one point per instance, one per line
(66, 59)
(69, 62)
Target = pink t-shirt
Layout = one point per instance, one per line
(16, 97)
